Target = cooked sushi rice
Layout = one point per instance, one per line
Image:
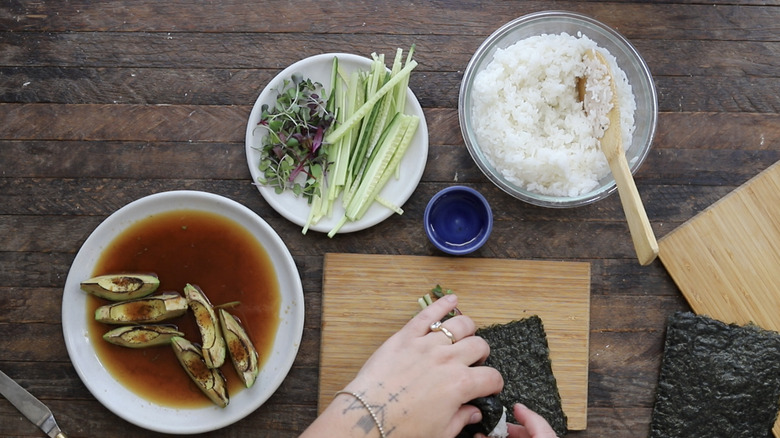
(501, 430)
(528, 119)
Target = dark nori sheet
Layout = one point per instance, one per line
(717, 380)
(519, 351)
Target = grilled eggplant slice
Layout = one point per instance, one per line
(210, 380)
(143, 310)
(208, 324)
(121, 287)
(142, 336)
(242, 352)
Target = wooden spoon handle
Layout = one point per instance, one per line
(645, 244)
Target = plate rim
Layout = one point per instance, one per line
(283, 203)
(193, 420)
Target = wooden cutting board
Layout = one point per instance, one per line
(367, 298)
(726, 259)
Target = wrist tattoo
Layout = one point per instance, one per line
(375, 413)
(375, 417)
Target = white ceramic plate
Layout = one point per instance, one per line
(296, 209)
(127, 404)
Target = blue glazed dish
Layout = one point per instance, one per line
(458, 220)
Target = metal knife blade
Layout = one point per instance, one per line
(30, 407)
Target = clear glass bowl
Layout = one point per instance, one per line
(628, 59)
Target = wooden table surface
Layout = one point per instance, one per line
(105, 102)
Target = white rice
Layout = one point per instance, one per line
(501, 430)
(529, 121)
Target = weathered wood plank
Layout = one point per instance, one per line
(39, 165)
(84, 418)
(22, 305)
(698, 19)
(227, 124)
(127, 160)
(133, 85)
(124, 122)
(72, 211)
(685, 57)
(228, 86)
(521, 230)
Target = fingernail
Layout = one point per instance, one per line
(476, 417)
(450, 298)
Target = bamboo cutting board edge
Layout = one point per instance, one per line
(559, 292)
(718, 263)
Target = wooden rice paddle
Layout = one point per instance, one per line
(645, 244)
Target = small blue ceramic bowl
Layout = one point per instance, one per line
(458, 220)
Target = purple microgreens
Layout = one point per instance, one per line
(295, 126)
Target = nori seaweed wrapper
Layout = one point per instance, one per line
(519, 351)
(717, 380)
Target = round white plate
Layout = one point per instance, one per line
(127, 404)
(296, 209)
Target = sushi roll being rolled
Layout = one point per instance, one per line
(519, 351)
(493, 423)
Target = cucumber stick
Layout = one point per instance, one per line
(368, 140)
(391, 148)
(392, 167)
(386, 146)
(321, 202)
(369, 104)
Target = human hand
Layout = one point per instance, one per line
(418, 382)
(532, 425)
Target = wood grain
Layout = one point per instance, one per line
(367, 298)
(726, 260)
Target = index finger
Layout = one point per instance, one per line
(421, 323)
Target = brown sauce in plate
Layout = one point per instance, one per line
(200, 248)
